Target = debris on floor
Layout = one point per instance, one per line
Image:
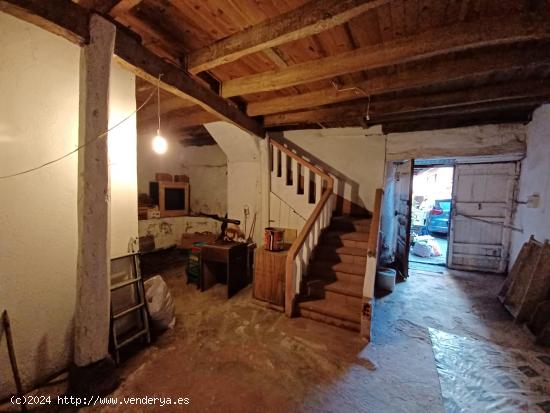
(425, 246)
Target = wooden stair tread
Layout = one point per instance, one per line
(345, 267)
(352, 220)
(339, 309)
(352, 288)
(348, 235)
(357, 252)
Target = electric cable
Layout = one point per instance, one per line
(83, 145)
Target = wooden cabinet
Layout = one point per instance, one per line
(269, 276)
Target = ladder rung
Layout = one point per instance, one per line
(124, 283)
(127, 311)
(131, 338)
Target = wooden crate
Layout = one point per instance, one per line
(269, 276)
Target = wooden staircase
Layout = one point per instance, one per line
(333, 287)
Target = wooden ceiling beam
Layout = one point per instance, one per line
(177, 120)
(123, 7)
(311, 18)
(61, 17)
(442, 72)
(492, 95)
(459, 37)
(70, 20)
(167, 106)
(514, 115)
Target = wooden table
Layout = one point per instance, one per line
(224, 262)
(269, 276)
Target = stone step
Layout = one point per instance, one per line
(342, 312)
(342, 254)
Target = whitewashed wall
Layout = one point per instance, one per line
(244, 173)
(39, 85)
(355, 155)
(206, 167)
(38, 239)
(534, 179)
(122, 161)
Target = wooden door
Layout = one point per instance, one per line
(481, 216)
(403, 201)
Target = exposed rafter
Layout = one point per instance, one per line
(72, 21)
(311, 18)
(435, 105)
(456, 38)
(444, 72)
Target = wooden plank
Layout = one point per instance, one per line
(61, 17)
(441, 41)
(453, 121)
(123, 6)
(309, 19)
(167, 106)
(468, 68)
(493, 95)
(71, 21)
(178, 120)
(148, 66)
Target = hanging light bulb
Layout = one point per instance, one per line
(160, 145)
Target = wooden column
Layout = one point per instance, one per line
(92, 301)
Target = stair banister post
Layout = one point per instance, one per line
(295, 176)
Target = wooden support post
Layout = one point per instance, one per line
(92, 301)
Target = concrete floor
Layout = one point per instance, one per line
(235, 356)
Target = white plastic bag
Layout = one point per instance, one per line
(422, 250)
(159, 303)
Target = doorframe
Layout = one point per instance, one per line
(427, 166)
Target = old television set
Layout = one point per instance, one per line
(172, 198)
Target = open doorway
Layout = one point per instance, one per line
(432, 187)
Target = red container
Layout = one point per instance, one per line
(274, 239)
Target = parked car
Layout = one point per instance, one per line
(438, 217)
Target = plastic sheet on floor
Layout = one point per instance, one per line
(477, 376)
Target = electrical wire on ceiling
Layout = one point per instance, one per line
(357, 88)
(83, 145)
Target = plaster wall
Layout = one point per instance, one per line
(534, 179)
(244, 173)
(206, 167)
(39, 85)
(502, 139)
(355, 156)
(122, 162)
(39, 80)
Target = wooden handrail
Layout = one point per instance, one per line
(301, 160)
(375, 224)
(308, 226)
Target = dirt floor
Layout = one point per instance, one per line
(235, 356)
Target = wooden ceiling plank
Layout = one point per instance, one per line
(309, 19)
(440, 41)
(418, 76)
(71, 20)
